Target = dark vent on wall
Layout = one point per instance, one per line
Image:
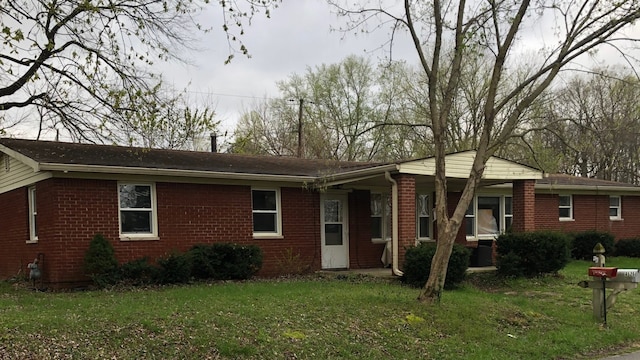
(6, 162)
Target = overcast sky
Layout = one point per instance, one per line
(298, 35)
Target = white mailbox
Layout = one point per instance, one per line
(627, 275)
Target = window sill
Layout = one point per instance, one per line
(566, 219)
(267, 237)
(425, 240)
(616, 219)
(139, 238)
(32, 241)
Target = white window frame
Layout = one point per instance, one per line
(428, 216)
(473, 206)
(618, 207)
(506, 216)
(153, 235)
(385, 218)
(33, 215)
(277, 211)
(570, 207)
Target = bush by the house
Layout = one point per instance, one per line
(532, 253)
(100, 262)
(628, 247)
(139, 272)
(203, 261)
(174, 269)
(225, 261)
(417, 265)
(584, 242)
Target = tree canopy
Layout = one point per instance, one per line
(82, 67)
(447, 35)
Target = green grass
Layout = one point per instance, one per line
(321, 318)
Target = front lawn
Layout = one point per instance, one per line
(346, 317)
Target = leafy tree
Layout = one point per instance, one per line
(348, 110)
(81, 66)
(448, 34)
(593, 123)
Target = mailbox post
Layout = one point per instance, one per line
(600, 295)
(603, 278)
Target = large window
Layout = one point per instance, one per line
(266, 212)
(33, 215)
(137, 210)
(423, 209)
(488, 216)
(380, 216)
(565, 207)
(615, 208)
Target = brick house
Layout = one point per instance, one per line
(55, 196)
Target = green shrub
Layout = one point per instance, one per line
(174, 269)
(532, 253)
(417, 265)
(100, 262)
(139, 272)
(225, 261)
(584, 242)
(628, 247)
(203, 261)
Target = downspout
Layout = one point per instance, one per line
(394, 224)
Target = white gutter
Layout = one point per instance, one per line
(394, 224)
(171, 172)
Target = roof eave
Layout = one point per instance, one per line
(173, 172)
(556, 187)
(349, 176)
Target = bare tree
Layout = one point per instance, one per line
(352, 110)
(83, 64)
(447, 34)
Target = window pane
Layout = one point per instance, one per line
(488, 215)
(470, 208)
(376, 227)
(333, 234)
(508, 206)
(376, 204)
(135, 221)
(424, 227)
(614, 201)
(565, 212)
(264, 222)
(135, 197)
(565, 200)
(264, 199)
(423, 205)
(470, 226)
(507, 223)
(332, 211)
(613, 212)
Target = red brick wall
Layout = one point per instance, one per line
(524, 205)
(590, 212)
(406, 214)
(14, 232)
(629, 226)
(71, 211)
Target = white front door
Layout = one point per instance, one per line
(335, 233)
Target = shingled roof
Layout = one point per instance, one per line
(563, 180)
(62, 153)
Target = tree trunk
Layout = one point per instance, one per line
(432, 290)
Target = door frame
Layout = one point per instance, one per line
(327, 254)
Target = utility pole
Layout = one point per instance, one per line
(300, 128)
(300, 137)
